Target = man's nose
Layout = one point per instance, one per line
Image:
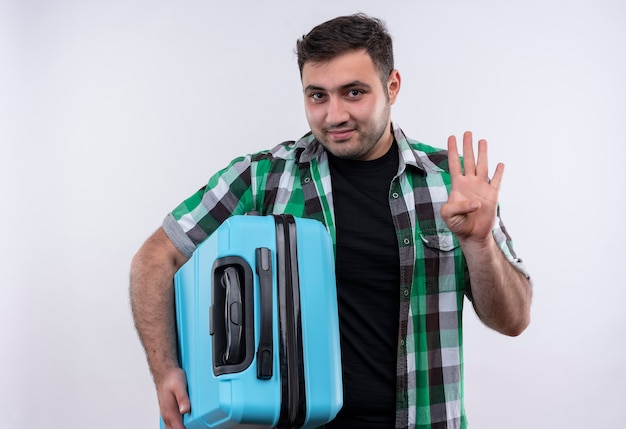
(336, 112)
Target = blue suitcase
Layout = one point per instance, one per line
(258, 331)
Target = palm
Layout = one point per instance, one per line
(470, 211)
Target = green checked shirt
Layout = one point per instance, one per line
(294, 178)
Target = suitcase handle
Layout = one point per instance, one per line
(233, 317)
(265, 352)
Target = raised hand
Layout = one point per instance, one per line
(470, 211)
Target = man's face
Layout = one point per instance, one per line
(347, 106)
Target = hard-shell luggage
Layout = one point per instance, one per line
(257, 324)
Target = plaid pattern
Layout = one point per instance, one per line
(294, 178)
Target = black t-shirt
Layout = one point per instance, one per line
(368, 278)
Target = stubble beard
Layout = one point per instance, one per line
(366, 141)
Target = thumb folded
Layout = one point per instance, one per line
(449, 209)
(182, 399)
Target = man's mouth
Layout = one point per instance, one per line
(339, 135)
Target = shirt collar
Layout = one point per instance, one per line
(408, 157)
(309, 148)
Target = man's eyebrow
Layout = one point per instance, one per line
(353, 84)
(313, 88)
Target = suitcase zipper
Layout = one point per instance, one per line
(293, 394)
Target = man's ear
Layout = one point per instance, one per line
(393, 85)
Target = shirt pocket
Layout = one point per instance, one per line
(439, 239)
(444, 265)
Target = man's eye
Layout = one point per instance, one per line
(354, 93)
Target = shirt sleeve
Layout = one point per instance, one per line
(228, 192)
(505, 243)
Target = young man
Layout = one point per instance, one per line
(414, 231)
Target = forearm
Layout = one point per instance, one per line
(152, 302)
(501, 294)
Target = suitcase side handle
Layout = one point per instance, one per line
(231, 315)
(265, 352)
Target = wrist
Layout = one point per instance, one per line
(478, 246)
(162, 367)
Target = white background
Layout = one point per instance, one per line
(112, 112)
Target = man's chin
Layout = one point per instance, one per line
(344, 151)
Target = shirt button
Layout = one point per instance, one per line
(406, 292)
(402, 342)
(307, 179)
(395, 195)
(407, 241)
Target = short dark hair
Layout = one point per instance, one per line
(348, 33)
